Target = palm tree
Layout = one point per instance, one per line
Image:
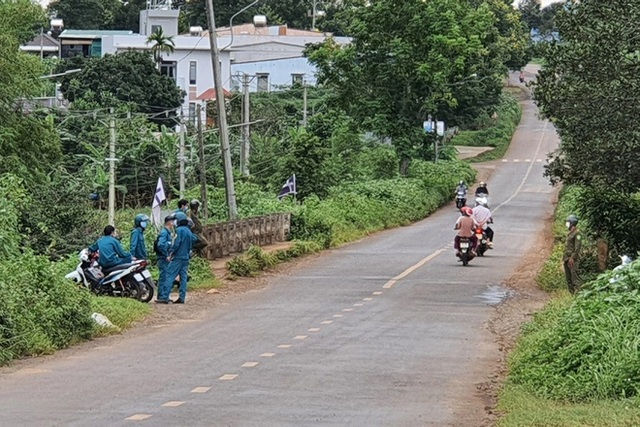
(161, 44)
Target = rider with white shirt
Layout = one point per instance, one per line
(482, 216)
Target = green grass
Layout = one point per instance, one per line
(122, 312)
(495, 133)
(255, 259)
(537, 61)
(525, 410)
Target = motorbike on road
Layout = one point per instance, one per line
(127, 280)
(465, 253)
(461, 199)
(481, 237)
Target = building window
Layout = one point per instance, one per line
(192, 113)
(263, 82)
(156, 28)
(168, 68)
(297, 79)
(193, 71)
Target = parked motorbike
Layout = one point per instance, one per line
(481, 237)
(127, 280)
(461, 199)
(465, 254)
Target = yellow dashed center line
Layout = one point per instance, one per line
(267, 354)
(326, 322)
(338, 315)
(139, 417)
(284, 346)
(358, 304)
(250, 364)
(228, 377)
(348, 309)
(200, 389)
(173, 404)
(367, 299)
(313, 329)
(300, 337)
(377, 293)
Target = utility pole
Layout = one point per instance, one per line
(181, 157)
(304, 101)
(313, 13)
(222, 115)
(203, 165)
(246, 118)
(112, 168)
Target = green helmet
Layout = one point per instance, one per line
(141, 220)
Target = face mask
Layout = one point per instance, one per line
(143, 224)
(175, 223)
(568, 224)
(185, 209)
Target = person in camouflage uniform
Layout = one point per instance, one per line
(572, 254)
(197, 227)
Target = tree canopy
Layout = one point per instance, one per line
(587, 89)
(409, 59)
(128, 77)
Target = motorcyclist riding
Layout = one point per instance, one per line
(482, 189)
(482, 215)
(466, 228)
(461, 194)
(461, 188)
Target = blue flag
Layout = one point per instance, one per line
(289, 187)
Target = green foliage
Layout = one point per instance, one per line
(13, 200)
(87, 14)
(426, 63)
(522, 409)
(122, 312)
(593, 72)
(586, 348)
(41, 311)
(490, 132)
(551, 277)
(255, 259)
(353, 210)
(131, 78)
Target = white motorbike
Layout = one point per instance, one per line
(127, 280)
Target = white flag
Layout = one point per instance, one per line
(289, 187)
(156, 207)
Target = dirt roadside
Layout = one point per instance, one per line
(525, 299)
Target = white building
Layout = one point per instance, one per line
(271, 56)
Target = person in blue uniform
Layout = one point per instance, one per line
(111, 252)
(162, 249)
(180, 255)
(138, 248)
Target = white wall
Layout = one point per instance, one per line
(279, 71)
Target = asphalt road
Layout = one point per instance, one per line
(338, 341)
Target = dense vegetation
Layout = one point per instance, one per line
(362, 162)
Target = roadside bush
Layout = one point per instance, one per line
(353, 210)
(586, 348)
(40, 311)
(495, 133)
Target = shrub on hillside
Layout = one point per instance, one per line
(41, 311)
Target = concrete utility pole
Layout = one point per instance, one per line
(222, 115)
(304, 101)
(203, 166)
(112, 168)
(181, 157)
(246, 135)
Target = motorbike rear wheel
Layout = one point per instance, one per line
(132, 290)
(147, 290)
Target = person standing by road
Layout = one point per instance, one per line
(179, 256)
(571, 255)
(162, 248)
(183, 206)
(138, 247)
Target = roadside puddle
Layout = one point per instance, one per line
(494, 295)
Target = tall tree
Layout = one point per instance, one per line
(588, 89)
(87, 14)
(530, 10)
(128, 77)
(160, 43)
(409, 59)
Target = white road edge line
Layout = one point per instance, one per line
(526, 175)
(411, 269)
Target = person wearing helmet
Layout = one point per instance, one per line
(482, 189)
(138, 248)
(180, 255)
(461, 188)
(466, 228)
(111, 252)
(162, 248)
(482, 216)
(572, 254)
(197, 228)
